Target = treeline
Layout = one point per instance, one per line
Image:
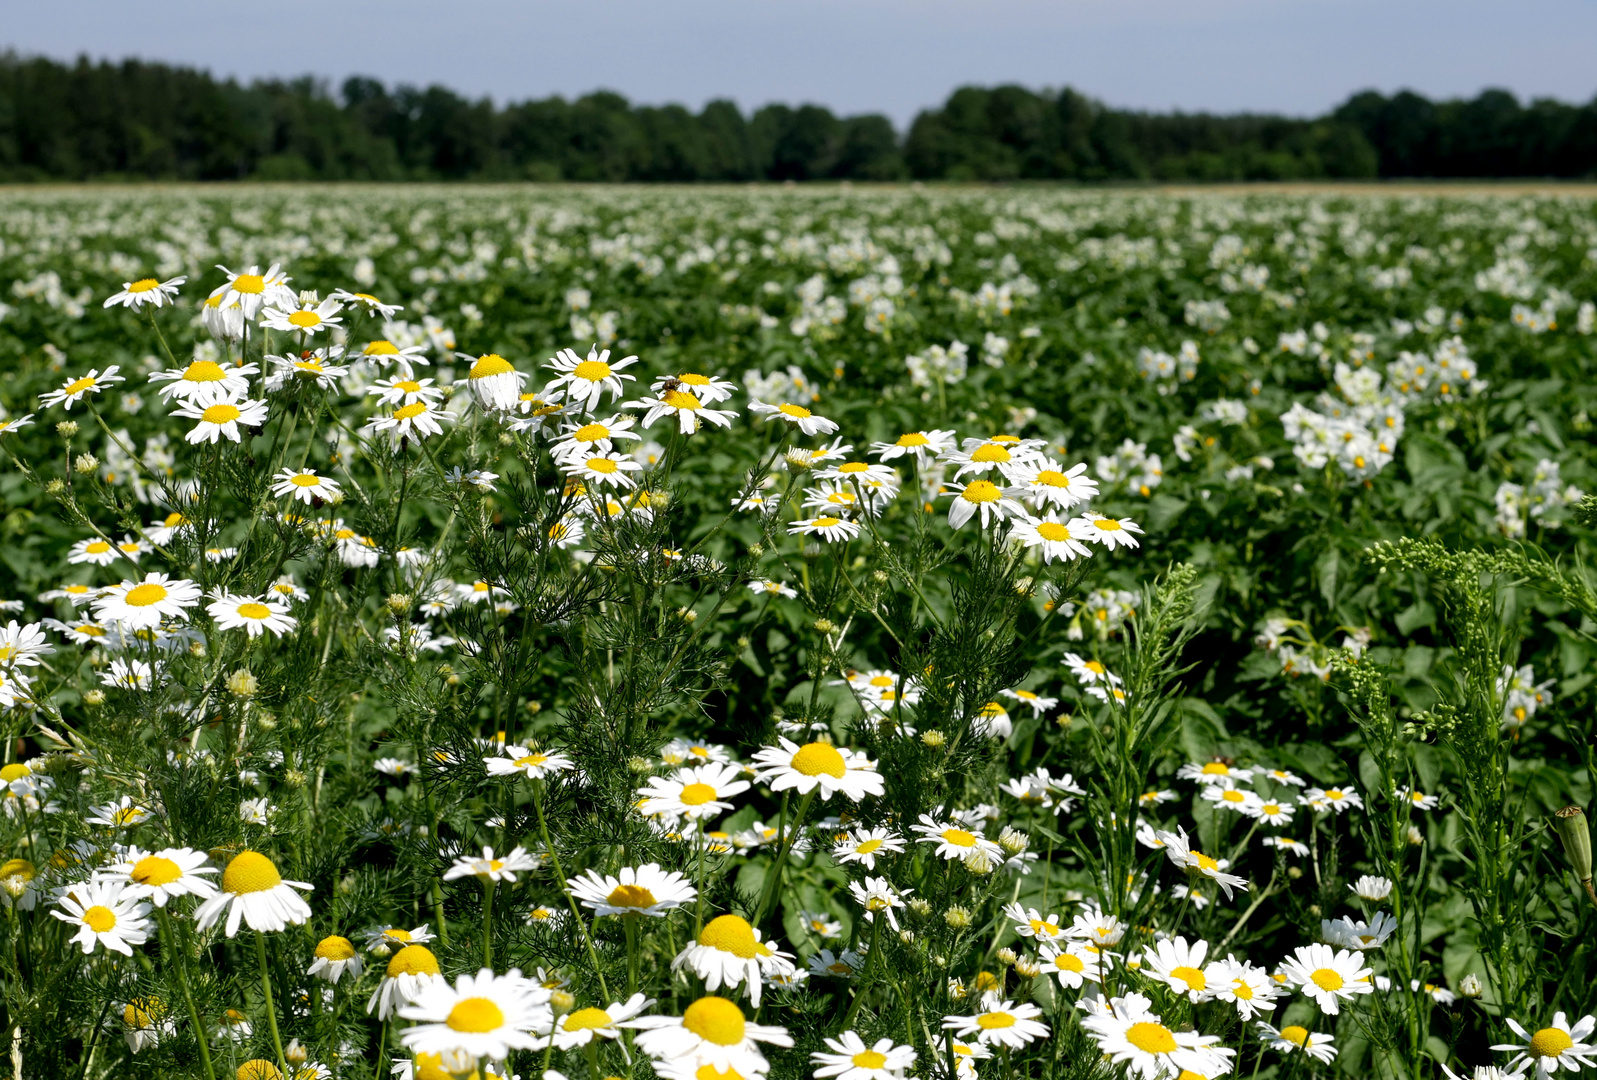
(136, 120)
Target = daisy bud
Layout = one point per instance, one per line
(294, 778)
(920, 907)
(957, 917)
(14, 885)
(267, 722)
(1063, 720)
(86, 463)
(67, 428)
(457, 1060)
(1007, 957)
(933, 739)
(825, 626)
(308, 296)
(1314, 909)
(399, 603)
(687, 614)
(907, 937)
(242, 683)
(1470, 986)
(639, 765)
(1294, 872)
(978, 863)
(55, 488)
(562, 1002)
(295, 1053)
(197, 649)
(1574, 832)
(1027, 967)
(1415, 837)
(879, 576)
(756, 550)
(1013, 842)
(94, 697)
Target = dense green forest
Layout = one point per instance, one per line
(140, 120)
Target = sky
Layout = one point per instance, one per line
(1297, 57)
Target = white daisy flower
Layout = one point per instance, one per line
(1050, 536)
(985, 499)
(312, 366)
(482, 1015)
(1340, 799)
(1357, 934)
(832, 529)
(595, 436)
(410, 971)
(601, 470)
(306, 486)
(1181, 967)
(251, 290)
(707, 388)
(1110, 532)
(334, 956)
(713, 1032)
(205, 382)
(1329, 977)
(221, 419)
(1214, 772)
(697, 792)
(1294, 1039)
(253, 614)
(1071, 962)
(867, 845)
(953, 841)
(494, 381)
(1000, 1023)
(876, 894)
(730, 952)
(1031, 923)
(923, 445)
(303, 318)
(643, 890)
(844, 965)
(851, 1059)
(368, 303)
(523, 761)
(796, 416)
(1373, 889)
(581, 1027)
(22, 646)
(1047, 487)
(166, 874)
(418, 420)
(1128, 1032)
(584, 381)
(136, 294)
(75, 390)
(487, 868)
(404, 389)
(254, 892)
(1230, 798)
(818, 765)
(124, 813)
(1181, 852)
(686, 406)
(105, 912)
(7, 426)
(1250, 989)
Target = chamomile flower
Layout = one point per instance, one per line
(827, 527)
(818, 765)
(820, 924)
(136, 294)
(643, 890)
(685, 406)
(129, 675)
(1000, 1023)
(1071, 962)
(1048, 488)
(1282, 776)
(7, 426)
(1229, 798)
(1294, 1039)
(697, 792)
(583, 382)
(1096, 927)
(75, 390)
(106, 913)
(1181, 852)
(1418, 799)
(524, 761)
(1327, 976)
(712, 1032)
(730, 952)
(582, 1026)
(953, 841)
(405, 389)
(1051, 537)
(795, 416)
(164, 875)
(765, 587)
(923, 445)
(410, 971)
(876, 894)
(305, 485)
(205, 382)
(368, 303)
(1035, 701)
(851, 1059)
(1291, 847)
(488, 868)
(1269, 811)
(1371, 888)
(312, 366)
(600, 470)
(865, 846)
(304, 318)
(251, 290)
(482, 1015)
(983, 499)
(1181, 966)
(1128, 1032)
(1214, 772)
(1358, 934)
(333, 957)
(123, 813)
(1110, 532)
(417, 420)
(253, 614)
(1339, 799)
(1031, 923)
(380, 939)
(1250, 989)
(844, 965)
(254, 892)
(595, 436)
(1557, 1046)
(221, 419)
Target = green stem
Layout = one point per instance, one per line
(488, 925)
(777, 865)
(554, 861)
(271, 1010)
(200, 1037)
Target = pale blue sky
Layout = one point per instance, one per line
(892, 56)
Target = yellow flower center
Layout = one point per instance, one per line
(1206, 863)
(411, 411)
(1052, 478)
(254, 611)
(1053, 530)
(1233, 796)
(20, 869)
(257, 1069)
(869, 847)
(1106, 524)
(413, 960)
(697, 794)
(490, 365)
(817, 758)
(825, 522)
(981, 491)
(1550, 1042)
(204, 371)
(1069, 962)
(914, 438)
(1327, 979)
(140, 1013)
(797, 412)
(591, 433)
(869, 1059)
(77, 386)
(853, 467)
(1151, 1038)
(633, 896)
(731, 934)
(1242, 991)
(221, 413)
(154, 870)
(591, 370)
(305, 319)
(602, 465)
(959, 838)
(396, 934)
(989, 454)
(716, 1020)
(249, 872)
(334, 948)
(531, 760)
(1298, 1036)
(253, 284)
(409, 386)
(681, 399)
(96, 547)
(99, 919)
(145, 595)
(989, 1020)
(143, 285)
(475, 1015)
(15, 771)
(710, 1072)
(586, 1020)
(381, 348)
(1191, 976)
